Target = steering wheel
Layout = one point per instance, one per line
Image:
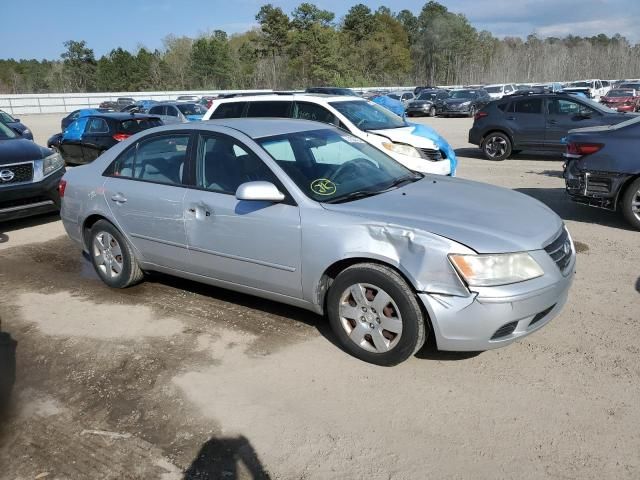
(360, 122)
(352, 168)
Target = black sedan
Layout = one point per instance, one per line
(29, 176)
(15, 124)
(87, 137)
(602, 169)
(463, 102)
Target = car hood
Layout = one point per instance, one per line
(404, 135)
(194, 118)
(20, 150)
(483, 217)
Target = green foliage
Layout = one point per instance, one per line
(309, 46)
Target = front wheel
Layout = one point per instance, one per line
(375, 314)
(630, 204)
(496, 146)
(112, 257)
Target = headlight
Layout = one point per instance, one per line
(51, 164)
(464, 104)
(402, 149)
(496, 269)
(26, 131)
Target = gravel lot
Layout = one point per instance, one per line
(171, 379)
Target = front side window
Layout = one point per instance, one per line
(333, 166)
(171, 111)
(561, 106)
(311, 111)
(158, 159)
(97, 125)
(223, 164)
(229, 110)
(368, 115)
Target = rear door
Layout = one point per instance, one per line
(527, 121)
(564, 114)
(145, 189)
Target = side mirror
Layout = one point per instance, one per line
(259, 191)
(16, 119)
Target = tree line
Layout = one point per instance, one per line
(309, 46)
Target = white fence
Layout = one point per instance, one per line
(67, 102)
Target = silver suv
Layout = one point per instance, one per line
(306, 214)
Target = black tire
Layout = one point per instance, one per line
(516, 152)
(413, 333)
(130, 272)
(490, 147)
(632, 195)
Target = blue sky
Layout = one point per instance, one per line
(37, 28)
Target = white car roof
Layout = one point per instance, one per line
(313, 97)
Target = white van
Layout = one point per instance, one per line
(418, 147)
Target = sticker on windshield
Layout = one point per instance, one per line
(323, 186)
(352, 139)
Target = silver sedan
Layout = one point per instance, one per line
(304, 213)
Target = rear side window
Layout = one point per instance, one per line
(229, 110)
(505, 107)
(157, 110)
(530, 105)
(269, 109)
(158, 159)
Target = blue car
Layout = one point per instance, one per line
(15, 124)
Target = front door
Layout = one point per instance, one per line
(565, 114)
(251, 243)
(527, 121)
(145, 190)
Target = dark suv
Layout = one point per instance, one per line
(464, 101)
(427, 102)
(535, 122)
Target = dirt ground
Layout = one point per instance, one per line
(172, 379)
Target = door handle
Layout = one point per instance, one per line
(552, 122)
(118, 198)
(511, 118)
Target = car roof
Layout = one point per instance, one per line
(253, 127)
(323, 97)
(120, 116)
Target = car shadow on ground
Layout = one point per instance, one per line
(12, 225)
(470, 152)
(226, 458)
(638, 285)
(559, 202)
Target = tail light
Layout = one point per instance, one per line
(581, 149)
(62, 186)
(480, 115)
(118, 137)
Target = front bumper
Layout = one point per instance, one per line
(447, 110)
(593, 188)
(421, 109)
(27, 199)
(482, 321)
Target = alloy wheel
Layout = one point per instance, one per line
(635, 204)
(107, 255)
(370, 317)
(496, 147)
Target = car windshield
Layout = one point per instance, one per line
(333, 167)
(5, 117)
(6, 132)
(191, 109)
(620, 93)
(427, 96)
(497, 89)
(368, 116)
(463, 94)
(580, 85)
(395, 96)
(136, 125)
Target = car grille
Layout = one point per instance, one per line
(560, 250)
(505, 330)
(22, 172)
(432, 154)
(22, 202)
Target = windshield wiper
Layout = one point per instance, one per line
(353, 196)
(399, 182)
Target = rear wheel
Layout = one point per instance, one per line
(496, 146)
(630, 204)
(112, 256)
(375, 314)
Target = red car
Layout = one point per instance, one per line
(622, 100)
